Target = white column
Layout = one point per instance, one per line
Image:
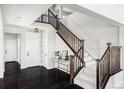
(1, 46)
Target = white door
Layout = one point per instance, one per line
(33, 49)
(11, 47)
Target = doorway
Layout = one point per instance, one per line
(11, 47)
(33, 49)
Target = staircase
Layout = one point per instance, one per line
(84, 69)
(73, 42)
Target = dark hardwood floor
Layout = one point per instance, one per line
(37, 77)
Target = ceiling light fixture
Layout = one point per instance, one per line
(36, 30)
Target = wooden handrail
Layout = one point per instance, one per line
(69, 30)
(108, 47)
(105, 53)
(78, 51)
(52, 13)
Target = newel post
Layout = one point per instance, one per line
(82, 45)
(98, 73)
(57, 22)
(109, 46)
(71, 69)
(48, 16)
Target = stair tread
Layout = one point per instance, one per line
(87, 58)
(87, 76)
(84, 84)
(90, 77)
(92, 62)
(90, 69)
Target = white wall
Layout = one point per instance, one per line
(23, 50)
(121, 43)
(51, 45)
(95, 32)
(44, 42)
(48, 46)
(1, 46)
(61, 45)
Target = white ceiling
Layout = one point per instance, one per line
(88, 21)
(23, 14)
(88, 12)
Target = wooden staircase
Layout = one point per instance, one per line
(108, 65)
(73, 42)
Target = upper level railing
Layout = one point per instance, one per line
(49, 18)
(108, 65)
(73, 42)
